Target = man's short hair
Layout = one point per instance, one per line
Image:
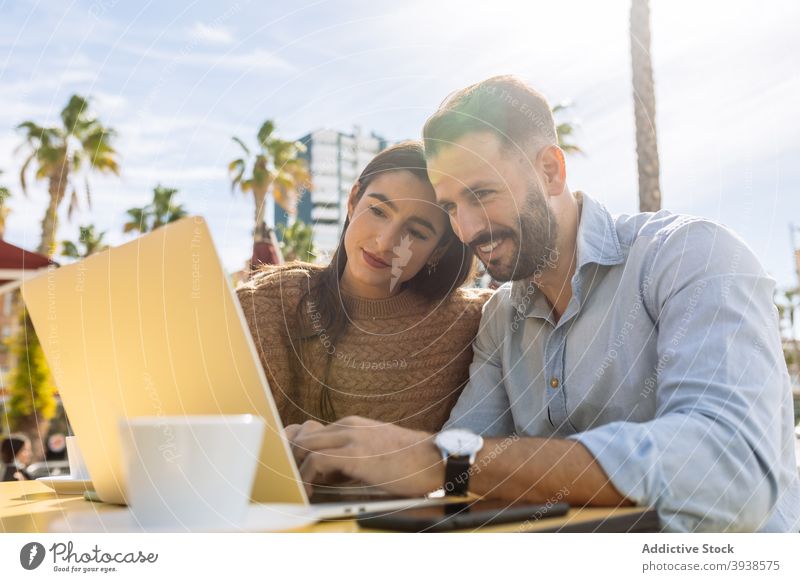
(505, 105)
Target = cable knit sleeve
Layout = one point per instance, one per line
(269, 301)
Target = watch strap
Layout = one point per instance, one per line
(456, 475)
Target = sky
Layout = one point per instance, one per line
(178, 80)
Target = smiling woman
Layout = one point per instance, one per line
(392, 235)
(384, 330)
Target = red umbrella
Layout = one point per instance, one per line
(14, 261)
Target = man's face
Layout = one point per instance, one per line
(496, 205)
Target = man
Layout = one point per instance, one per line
(632, 360)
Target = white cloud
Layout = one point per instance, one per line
(171, 175)
(109, 102)
(211, 34)
(257, 59)
(48, 82)
(187, 55)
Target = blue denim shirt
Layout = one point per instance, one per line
(667, 366)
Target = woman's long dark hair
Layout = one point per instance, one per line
(11, 446)
(323, 295)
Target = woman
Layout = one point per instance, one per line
(16, 452)
(383, 330)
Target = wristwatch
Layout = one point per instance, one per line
(459, 448)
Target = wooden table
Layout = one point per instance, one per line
(30, 507)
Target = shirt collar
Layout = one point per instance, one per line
(597, 242)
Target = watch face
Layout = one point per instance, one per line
(459, 442)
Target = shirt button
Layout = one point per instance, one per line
(554, 382)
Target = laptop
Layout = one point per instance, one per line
(153, 327)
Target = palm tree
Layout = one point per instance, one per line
(91, 241)
(159, 212)
(565, 131)
(5, 194)
(644, 106)
(275, 170)
(60, 153)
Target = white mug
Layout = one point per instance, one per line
(190, 471)
(77, 466)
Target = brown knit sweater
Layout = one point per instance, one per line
(401, 359)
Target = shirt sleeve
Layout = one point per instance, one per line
(709, 459)
(483, 406)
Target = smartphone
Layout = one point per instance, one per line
(453, 516)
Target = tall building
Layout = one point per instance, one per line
(335, 160)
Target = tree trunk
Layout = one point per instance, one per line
(644, 105)
(260, 230)
(264, 216)
(57, 186)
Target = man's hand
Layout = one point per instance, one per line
(293, 430)
(399, 460)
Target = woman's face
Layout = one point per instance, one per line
(24, 454)
(394, 229)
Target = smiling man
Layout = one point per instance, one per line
(631, 360)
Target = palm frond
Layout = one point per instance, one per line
(282, 194)
(265, 132)
(23, 171)
(138, 220)
(33, 131)
(242, 144)
(77, 161)
(74, 113)
(88, 192)
(565, 130)
(236, 165)
(89, 239)
(571, 148)
(176, 213)
(42, 172)
(70, 250)
(236, 169)
(98, 140)
(73, 203)
(106, 165)
(246, 186)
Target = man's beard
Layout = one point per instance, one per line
(534, 246)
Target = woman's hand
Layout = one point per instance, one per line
(398, 460)
(301, 431)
